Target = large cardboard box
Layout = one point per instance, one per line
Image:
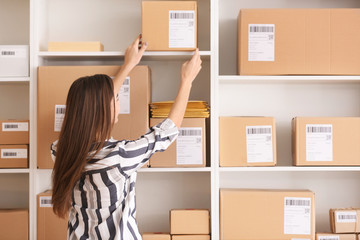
(156, 236)
(326, 141)
(247, 141)
(169, 25)
(189, 221)
(188, 150)
(345, 220)
(14, 156)
(332, 236)
(256, 214)
(75, 47)
(53, 85)
(298, 41)
(190, 237)
(14, 132)
(14, 60)
(14, 224)
(49, 226)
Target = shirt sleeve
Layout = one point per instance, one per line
(134, 154)
(53, 149)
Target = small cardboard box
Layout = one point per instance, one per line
(14, 60)
(189, 221)
(247, 141)
(299, 41)
(53, 86)
(75, 47)
(14, 224)
(345, 220)
(332, 236)
(49, 226)
(190, 237)
(326, 141)
(156, 236)
(14, 132)
(258, 214)
(169, 25)
(14, 156)
(188, 150)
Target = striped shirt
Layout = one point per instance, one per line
(103, 201)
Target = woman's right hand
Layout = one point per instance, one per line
(191, 68)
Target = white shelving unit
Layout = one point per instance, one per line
(116, 23)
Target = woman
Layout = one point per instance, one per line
(94, 175)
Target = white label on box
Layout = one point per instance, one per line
(259, 145)
(319, 142)
(46, 201)
(15, 127)
(59, 117)
(261, 42)
(189, 146)
(328, 238)
(12, 53)
(181, 29)
(297, 215)
(346, 217)
(14, 153)
(124, 97)
(300, 239)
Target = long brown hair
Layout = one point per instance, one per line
(86, 126)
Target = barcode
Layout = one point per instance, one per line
(11, 126)
(189, 132)
(259, 131)
(346, 217)
(45, 201)
(297, 202)
(8, 53)
(318, 129)
(60, 110)
(9, 154)
(261, 29)
(182, 15)
(329, 238)
(126, 81)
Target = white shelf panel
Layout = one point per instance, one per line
(13, 170)
(118, 55)
(166, 170)
(290, 169)
(14, 79)
(288, 79)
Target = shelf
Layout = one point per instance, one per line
(14, 170)
(290, 169)
(288, 79)
(165, 170)
(118, 55)
(14, 79)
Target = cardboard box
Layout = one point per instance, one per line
(247, 141)
(14, 132)
(169, 25)
(190, 237)
(14, 224)
(332, 236)
(49, 226)
(189, 221)
(188, 150)
(256, 214)
(345, 220)
(298, 41)
(156, 236)
(326, 141)
(14, 156)
(75, 47)
(14, 60)
(53, 85)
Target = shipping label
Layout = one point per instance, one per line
(259, 144)
(329, 237)
(14, 153)
(189, 146)
(59, 117)
(181, 29)
(124, 97)
(13, 53)
(297, 215)
(15, 127)
(346, 217)
(319, 142)
(46, 201)
(261, 42)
